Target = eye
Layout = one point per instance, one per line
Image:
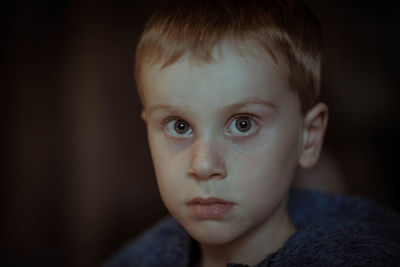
(242, 125)
(178, 127)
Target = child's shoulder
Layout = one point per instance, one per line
(307, 207)
(163, 244)
(340, 231)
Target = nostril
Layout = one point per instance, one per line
(206, 176)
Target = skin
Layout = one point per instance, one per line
(212, 157)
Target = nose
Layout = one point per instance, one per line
(207, 161)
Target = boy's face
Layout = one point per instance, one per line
(229, 130)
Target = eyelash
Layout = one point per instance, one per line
(253, 119)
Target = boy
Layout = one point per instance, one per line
(230, 98)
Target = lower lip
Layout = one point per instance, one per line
(210, 211)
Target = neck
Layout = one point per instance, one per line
(253, 245)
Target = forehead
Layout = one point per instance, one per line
(234, 74)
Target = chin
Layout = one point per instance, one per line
(211, 233)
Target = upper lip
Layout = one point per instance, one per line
(208, 201)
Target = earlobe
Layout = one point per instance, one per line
(315, 123)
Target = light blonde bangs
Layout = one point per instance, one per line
(195, 30)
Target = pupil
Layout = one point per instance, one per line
(243, 125)
(180, 127)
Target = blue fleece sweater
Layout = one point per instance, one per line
(331, 231)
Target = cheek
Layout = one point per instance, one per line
(261, 185)
(250, 176)
(165, 152)
(269, 166)
(168, 182)
(169, 172)
(270, 151)
(170, 165)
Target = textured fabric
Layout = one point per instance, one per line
(331, 231)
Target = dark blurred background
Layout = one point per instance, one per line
(77, 181)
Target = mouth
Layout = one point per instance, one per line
(210, 208)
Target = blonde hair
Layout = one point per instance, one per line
(195, 27)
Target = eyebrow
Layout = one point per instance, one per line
(166, 107)
(235, 106)
(251, 101)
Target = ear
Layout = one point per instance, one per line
(143, 115)
(315, 123)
